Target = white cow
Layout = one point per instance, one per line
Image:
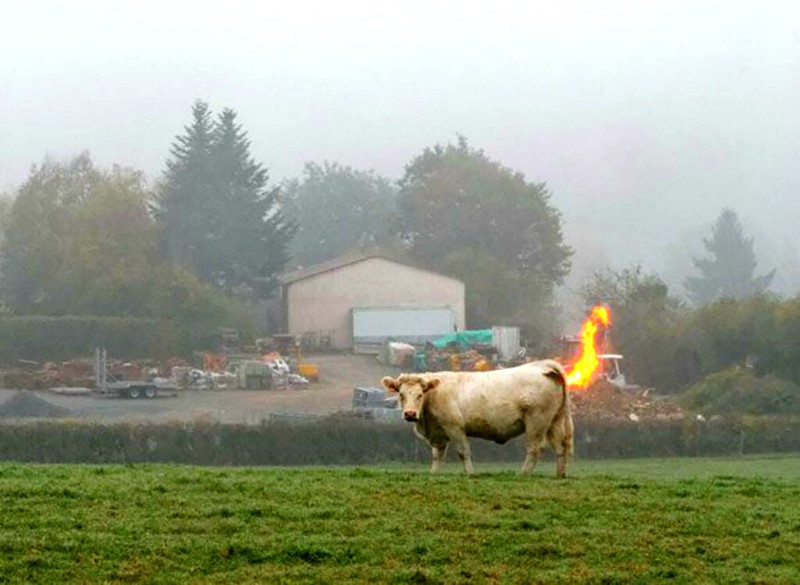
(499, 405)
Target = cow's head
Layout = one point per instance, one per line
(411, 389)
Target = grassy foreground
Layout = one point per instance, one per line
(690, 520)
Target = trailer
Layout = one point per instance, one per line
(133, 389)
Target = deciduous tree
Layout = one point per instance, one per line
(80, 241)
(465, 214)
(338, 209)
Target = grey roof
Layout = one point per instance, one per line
(346, 260)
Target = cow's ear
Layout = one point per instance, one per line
(430, 384)
(390, 384)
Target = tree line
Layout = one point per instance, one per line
(209, 238)
(212, 233)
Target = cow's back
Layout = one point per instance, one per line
(492, 405)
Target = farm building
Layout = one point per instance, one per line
(358, 300)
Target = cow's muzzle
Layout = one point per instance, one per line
(410, 416)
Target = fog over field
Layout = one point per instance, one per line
(644, 119)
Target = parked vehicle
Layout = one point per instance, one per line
(374, 404)
(612, 369)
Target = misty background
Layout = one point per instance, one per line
(644, 119)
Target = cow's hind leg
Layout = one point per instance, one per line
(560, 437)
(534, 439)
(439, 452)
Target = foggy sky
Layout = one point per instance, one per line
(644, 120)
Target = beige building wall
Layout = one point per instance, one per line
(322, 304)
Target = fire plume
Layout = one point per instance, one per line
(583, 372)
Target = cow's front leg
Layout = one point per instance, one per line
(531, 459)
(438, 456)
(462, 445)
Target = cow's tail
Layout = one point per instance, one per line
(561, 429)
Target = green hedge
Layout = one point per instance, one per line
(350, 442)
(60, 338)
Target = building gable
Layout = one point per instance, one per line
(342, 262)
(321, 303)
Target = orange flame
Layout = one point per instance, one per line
(586, 367)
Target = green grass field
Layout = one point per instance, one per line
(685, 520)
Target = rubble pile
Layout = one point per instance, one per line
(26, 404)
(606, 401)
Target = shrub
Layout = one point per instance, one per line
(59, 338)
(55, 338)
(739, 390)
(728, 331)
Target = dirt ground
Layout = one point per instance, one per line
(333, 393)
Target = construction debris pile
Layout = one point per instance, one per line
(450, 359)
(603, 400)
(468, 351)
(80, 373)
(247, 372)
(217, 372)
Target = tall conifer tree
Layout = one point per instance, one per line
(219, 217)
(185, 205)
(729, 269)
(254, 234)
